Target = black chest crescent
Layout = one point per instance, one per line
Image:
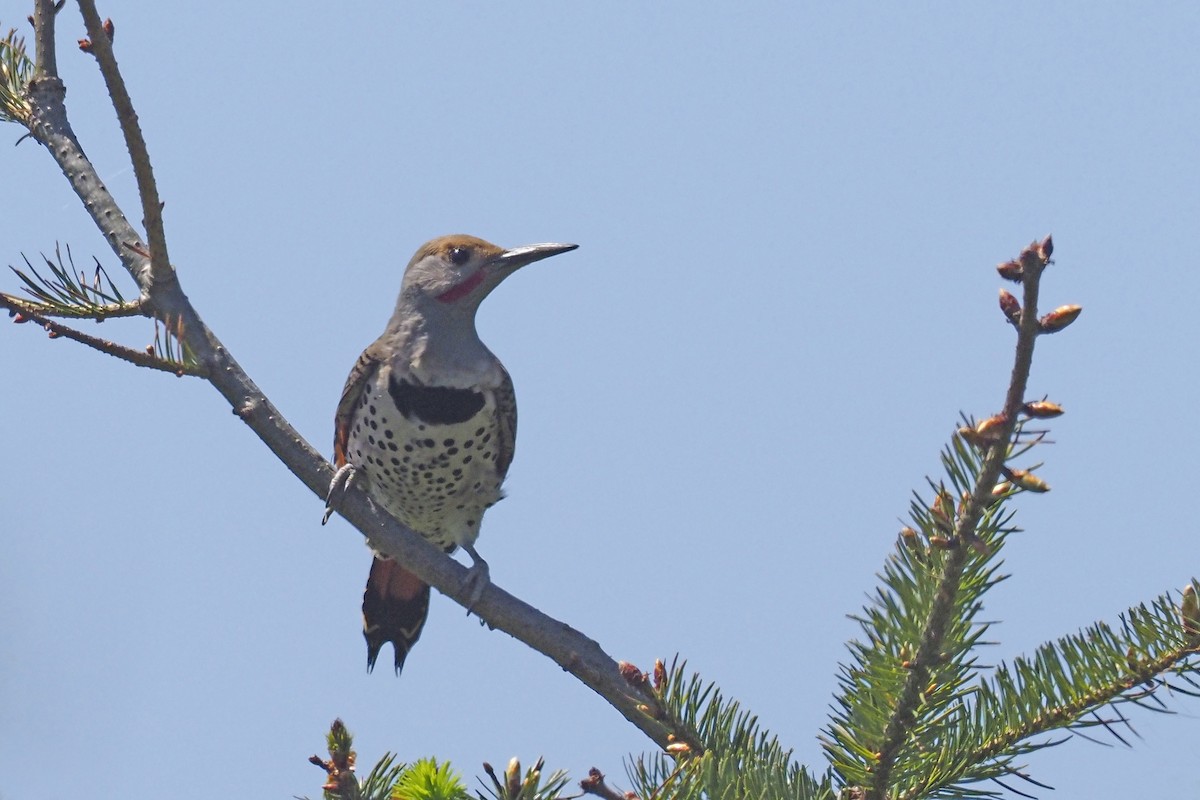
(434, 405)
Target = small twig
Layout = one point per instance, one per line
(340, 780)
(98, 313)
(594, 784)
(136, 357)
(46, 65)
(48, 124)
(101, 48)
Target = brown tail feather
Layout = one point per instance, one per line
(395, 605)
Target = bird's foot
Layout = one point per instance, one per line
(479, 576)
(337, 488)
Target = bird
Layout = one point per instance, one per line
(427, 424)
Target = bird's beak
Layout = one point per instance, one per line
(520, 256)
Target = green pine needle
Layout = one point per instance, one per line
(428, 780)
(740, 759)
(16, 70)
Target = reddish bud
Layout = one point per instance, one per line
(1010, 307)
(1059, 318)
(913, 543)
(85, 45)
(991, 430)
(1031, 257)
(592, 781)
(1046, 248)
(109, 29)
(660, 674)
(1042, 409)
(632, 675)
(1026, 480)
(1011, 271)
(940, 511)
(940, 542)
(19, 318)
(969, 434)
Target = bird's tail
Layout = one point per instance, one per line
(395, 605)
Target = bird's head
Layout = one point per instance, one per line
(458, 271)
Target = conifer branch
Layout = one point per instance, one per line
(930, 650)
(43, 26)
(69, 294)
(100, 35)
(1105, 669)
(28, 312)
(48, 124)
(717, 748)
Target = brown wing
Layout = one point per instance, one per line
(506, 423)
(361, 376)
(396, 601)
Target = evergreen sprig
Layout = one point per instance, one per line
(426, 779)
(720, 750)
(16, 70)
(892, 625)
(68, 292)
(1081, 680)
(528, 785)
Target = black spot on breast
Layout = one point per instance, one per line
(437, 405)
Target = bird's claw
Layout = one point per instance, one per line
(337, 488)
(479, 577)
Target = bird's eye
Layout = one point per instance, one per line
(459, 256)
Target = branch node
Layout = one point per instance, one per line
(248, 407)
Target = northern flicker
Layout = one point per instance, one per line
(427, 423)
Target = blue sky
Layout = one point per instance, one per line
(788, 217)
